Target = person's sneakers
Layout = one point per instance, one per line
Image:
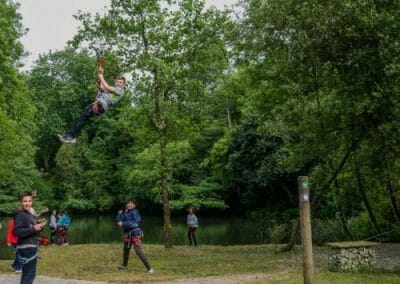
(122, 267)
(151, 270)
(16, 270)
(67, 138)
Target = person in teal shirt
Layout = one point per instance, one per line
(63, 224)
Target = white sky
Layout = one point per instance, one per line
(51, 23)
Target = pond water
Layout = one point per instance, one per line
(211, 231)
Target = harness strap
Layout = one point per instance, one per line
(25, 260)
(133, 237)
(26, 246)
(95, 107)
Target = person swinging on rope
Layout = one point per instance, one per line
(106, 97)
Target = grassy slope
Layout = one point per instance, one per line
(99, 262)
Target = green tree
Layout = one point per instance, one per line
(17, 170)
(62, 85)
(324, 80)
(82, 177)
(175, 53)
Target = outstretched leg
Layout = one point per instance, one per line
(90, 111)
(142, 257)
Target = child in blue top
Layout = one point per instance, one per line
(62, 226)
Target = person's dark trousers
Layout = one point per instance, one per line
(141, 256)
(90, 111)
(192, 236)
(17, 260)
(28, 268)
(65, 236)
(53, 232)
(139, 253)
(126, 250)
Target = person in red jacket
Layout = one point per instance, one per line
(12, 240)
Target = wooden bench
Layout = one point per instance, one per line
(351, 256)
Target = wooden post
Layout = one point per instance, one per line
(305, 224)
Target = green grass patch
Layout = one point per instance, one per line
(100, 261)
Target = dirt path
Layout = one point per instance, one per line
(237, 279)
(14, 279)
(260, 277)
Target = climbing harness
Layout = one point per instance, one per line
(25, 260)
(133, 237)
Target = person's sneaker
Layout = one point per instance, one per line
(18, 270)
(67, 138)
(122, 267)
(151, 270)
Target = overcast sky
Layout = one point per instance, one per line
(51, 24)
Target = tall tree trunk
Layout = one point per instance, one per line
(161, 127)
(345, 228)
(365, 201)
(391, 194)
(46, 158)
(342, 215)
(228, 114)
(293, 236)
(164, 192)
(162, 131)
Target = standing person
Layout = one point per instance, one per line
(192, 224)
(129, 220)
(63, 224)
(106, 97)
(53, 226)
(27, 231)
(12, 240)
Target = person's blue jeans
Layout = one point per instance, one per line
(28, 268)
(17, 260)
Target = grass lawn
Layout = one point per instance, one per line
(100, 261)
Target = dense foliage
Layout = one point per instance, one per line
(226, 109)
(17, 126)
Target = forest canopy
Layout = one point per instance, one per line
(225, 110)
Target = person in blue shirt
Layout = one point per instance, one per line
(129, 220)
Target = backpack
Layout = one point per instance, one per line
(11, 239)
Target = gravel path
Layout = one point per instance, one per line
(14, 279)
(387, 258)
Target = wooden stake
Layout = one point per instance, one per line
(305, 224)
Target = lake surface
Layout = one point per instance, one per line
(211, 231)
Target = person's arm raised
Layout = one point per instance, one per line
(104, 84)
